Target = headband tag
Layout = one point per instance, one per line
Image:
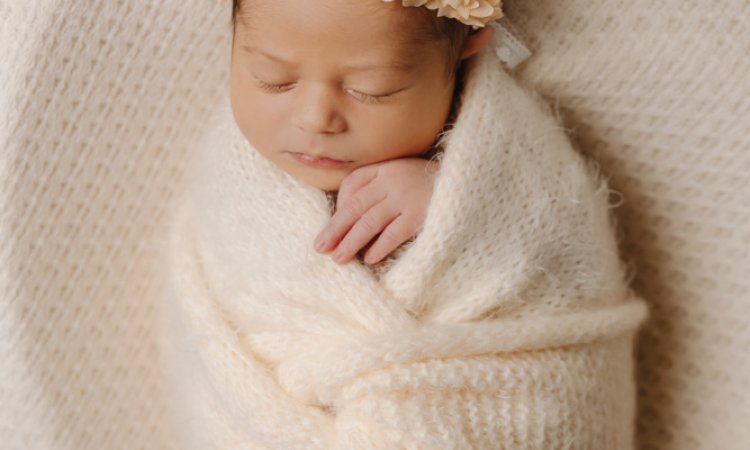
(508, 46)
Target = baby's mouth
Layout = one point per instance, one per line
(318, 161)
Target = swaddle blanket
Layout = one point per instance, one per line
(506, 323)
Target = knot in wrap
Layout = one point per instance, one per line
(326, 374)
(506, 323)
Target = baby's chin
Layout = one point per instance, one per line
(328, 180)
(329, 185)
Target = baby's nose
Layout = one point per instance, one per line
(316, 111)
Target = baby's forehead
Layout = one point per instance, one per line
(395, 46)
(404, 27)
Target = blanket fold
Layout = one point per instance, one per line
(506, 323)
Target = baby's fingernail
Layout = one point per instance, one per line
(339, 257)
(320, 244)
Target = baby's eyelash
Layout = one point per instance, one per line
(366, 98)
(359, 96)
(274, 88)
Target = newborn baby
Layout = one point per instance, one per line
(506, 322)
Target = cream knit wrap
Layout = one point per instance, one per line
(507, 323)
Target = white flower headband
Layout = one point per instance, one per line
(470, 12)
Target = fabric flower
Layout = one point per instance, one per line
(471, 12)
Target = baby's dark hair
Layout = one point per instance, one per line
(453, 33)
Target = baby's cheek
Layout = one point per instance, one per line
(260, 129)
(417, 127)
(413, 140)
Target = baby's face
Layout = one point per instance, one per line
(339, 79)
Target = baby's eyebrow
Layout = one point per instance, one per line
(270, 56)
(395, 65)
(398, 64)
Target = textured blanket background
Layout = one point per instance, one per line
(103, 103)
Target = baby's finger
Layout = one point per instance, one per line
(396, 233)
(345, 217)
(354, 182)
(369, 225)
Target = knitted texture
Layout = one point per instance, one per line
(103, 103)
(659, 95)
(507, 322)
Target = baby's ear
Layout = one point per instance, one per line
(477, 41)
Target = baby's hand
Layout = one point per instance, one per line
(390, 198)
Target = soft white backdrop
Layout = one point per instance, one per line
(102, 105)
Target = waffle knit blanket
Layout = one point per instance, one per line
(507, 323)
